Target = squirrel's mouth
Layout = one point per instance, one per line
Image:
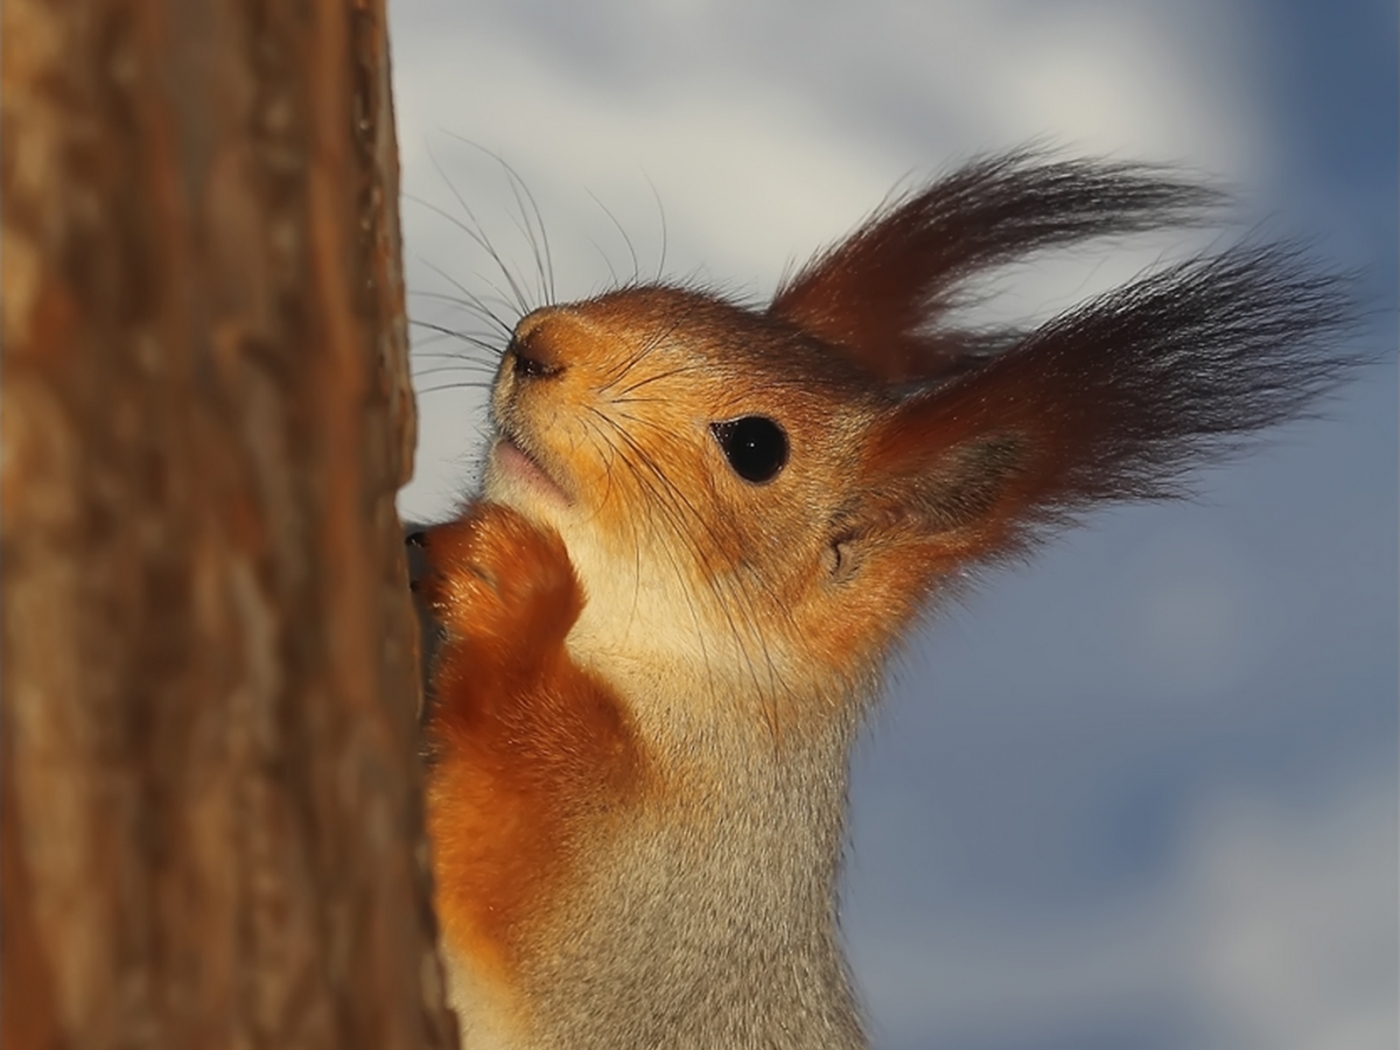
(515, 463)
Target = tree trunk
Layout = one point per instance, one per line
(211, 809)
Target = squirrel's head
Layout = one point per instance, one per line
(763, 499)
(701, 463)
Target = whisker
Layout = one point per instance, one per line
(659, 503)
(465, 354)
(518, 186)
(671, 498)
(620, 373)
(612, 270)
(449, 370)
(679, 370)
(774, 598)
(453, 333)
(476, 304)
(476, 232)
(631, 250)
(453, 386)
(661, 212)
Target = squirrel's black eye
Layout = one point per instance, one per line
(755, 446)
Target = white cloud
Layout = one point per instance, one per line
(1289, 922)
(1275, 930)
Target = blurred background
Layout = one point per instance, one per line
(1142, 793)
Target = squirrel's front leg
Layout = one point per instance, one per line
(504, 592)
(526, 748)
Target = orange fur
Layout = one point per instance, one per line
(526, 746)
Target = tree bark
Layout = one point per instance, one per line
(211, 810)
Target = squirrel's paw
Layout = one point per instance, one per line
(498, 579)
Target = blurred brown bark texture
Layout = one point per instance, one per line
(211, 813)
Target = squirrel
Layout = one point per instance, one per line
(703, 529)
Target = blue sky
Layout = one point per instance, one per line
(1142, 792)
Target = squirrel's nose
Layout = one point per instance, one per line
(530, 365)
(536, 347)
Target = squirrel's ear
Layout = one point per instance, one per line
(878, 295)
(1114, 400)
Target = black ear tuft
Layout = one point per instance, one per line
(1118, 398)
(878, 294)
